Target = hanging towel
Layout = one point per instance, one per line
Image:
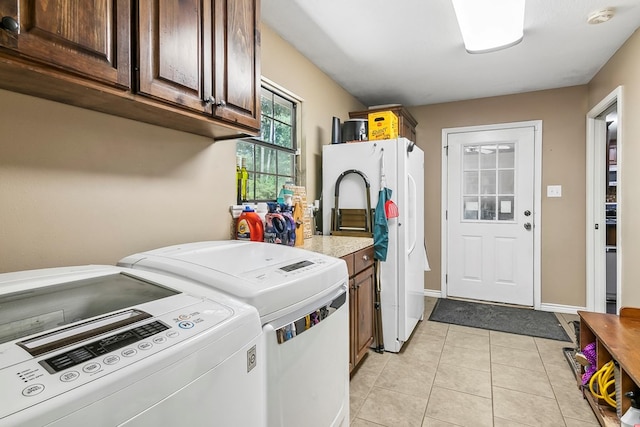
(381, 227)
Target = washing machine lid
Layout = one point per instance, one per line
(33, 309)
(45, 310)
(273, 278)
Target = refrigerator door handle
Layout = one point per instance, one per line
(409, 229)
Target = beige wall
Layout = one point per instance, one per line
(624, 69)
(323, 99)
(562, 112)
(81, 187)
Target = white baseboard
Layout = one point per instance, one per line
(559, 308)
(555, 308)
(432, 293)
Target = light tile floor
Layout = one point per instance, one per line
(448, 375)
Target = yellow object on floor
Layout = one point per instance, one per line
(604, 378)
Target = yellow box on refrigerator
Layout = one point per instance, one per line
(383, 125)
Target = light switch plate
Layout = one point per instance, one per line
(554, 190)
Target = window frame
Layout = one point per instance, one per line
(296, 134)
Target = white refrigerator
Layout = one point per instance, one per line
(402, 274)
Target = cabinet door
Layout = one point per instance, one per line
(363, 283)
(88, 38)
(174, 52)
(237, 62)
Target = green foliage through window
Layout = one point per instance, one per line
(270, 158)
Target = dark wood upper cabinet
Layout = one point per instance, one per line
(174, 54)
(202, 55)
(190, 65)
(237, 61)
(91, 39)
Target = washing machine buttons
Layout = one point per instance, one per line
(186, 325)
(91, 367)
(145, 345)
(129, 352)
(111, 360)
(32, 390)
(67, 377)
(159, 340)
(173, 334)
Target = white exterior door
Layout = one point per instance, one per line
(490, 211)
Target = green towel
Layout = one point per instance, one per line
(381, 227)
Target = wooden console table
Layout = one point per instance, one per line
(617, 338)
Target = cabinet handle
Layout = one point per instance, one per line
(209, 100)
(365, 257)
(10, 24)
(221, 104)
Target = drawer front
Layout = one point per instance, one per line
(363, 259)
(350, 267)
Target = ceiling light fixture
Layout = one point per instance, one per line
(600, 16)
(490, 25)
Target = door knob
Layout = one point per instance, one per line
(527, 226)
(527, 213)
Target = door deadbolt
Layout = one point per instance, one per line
(527, 226)
(527, 213)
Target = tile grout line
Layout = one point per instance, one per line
(424, 415)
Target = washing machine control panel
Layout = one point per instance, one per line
(103, 346)
(149, 341)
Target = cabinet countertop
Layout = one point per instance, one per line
(336, 246)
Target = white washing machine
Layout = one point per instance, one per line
(302, 300)
(107, 346)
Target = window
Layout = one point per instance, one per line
(489, 182)
(270, 159)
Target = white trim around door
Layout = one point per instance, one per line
(595, 232)
(537, 125)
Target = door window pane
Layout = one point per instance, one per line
(470, 208)
(488, 157)
(489, 181)
(505, 182)
(488, 208)
(470, 158)
(506, 155)
(505, 208)
(470, 182)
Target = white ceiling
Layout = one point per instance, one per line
(411, 52)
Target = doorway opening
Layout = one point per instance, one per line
(604, 162)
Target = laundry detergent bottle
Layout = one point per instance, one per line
(249, 226)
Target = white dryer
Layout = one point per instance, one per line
(107, 346)
(302, 300)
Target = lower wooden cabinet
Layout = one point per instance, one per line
(361, 298)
